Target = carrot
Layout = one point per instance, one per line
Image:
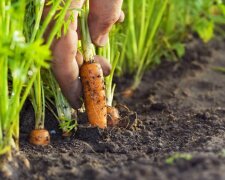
(92, 79)
(128, 93)
(94, 93)
(39, 137)
(113, 116)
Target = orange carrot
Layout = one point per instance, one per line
(39, 137)
(94, 93)
(113, 116)
(92, 77)
(128, 93)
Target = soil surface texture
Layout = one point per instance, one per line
(180, 130)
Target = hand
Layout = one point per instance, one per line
(66, 58)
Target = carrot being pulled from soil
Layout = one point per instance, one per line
(94, 93)
(92, 78)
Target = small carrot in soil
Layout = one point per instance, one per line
(113, 116)
(39, 137)
(128, 93)
(94, 93)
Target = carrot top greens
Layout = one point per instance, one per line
(20, 61)
(22, 54)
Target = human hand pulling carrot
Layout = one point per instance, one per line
(67, 60)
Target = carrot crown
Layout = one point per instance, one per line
(87, 46)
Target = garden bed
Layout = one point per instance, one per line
(180, 109)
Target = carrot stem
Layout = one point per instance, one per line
(87, 46)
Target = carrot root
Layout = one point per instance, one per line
(94, 93)
(39, 137)
(128, 93)
(113, 116)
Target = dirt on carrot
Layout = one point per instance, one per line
(94, 93)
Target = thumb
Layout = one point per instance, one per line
(103, 15)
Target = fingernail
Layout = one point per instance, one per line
(121, 18)
(102, 40)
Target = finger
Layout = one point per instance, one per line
(74, 94)
(75, 4)
(79, 58)
(65, 67)
(121, 18)
(106, 67)
(103, 14)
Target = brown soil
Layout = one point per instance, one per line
(180, 107)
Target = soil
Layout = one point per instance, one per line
(180, 132)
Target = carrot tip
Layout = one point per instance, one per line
(128, 93)
(101, 125)
(39, 137)
(113, 116)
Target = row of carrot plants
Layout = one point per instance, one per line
(158, 29)
(23, 54)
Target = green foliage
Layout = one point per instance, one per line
(19, 63)
(22, 54)
(177, 156)
(57, 12)
(222, 152)
(65, 117)
(155, 30)
(111, 53)
(219, 69)
(67, 124)
(182, 19)
(200, 16)
(197, 17)
(37, 97)
(142, 26)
